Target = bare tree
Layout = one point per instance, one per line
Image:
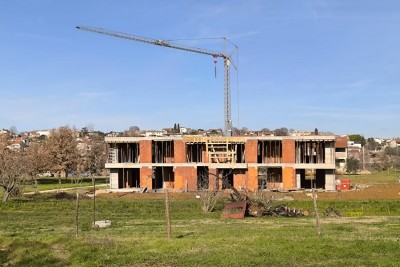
(12, 171)
(209, 186)
(62, 150)
(37, 160)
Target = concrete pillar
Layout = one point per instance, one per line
(113, 178)
(330, 178)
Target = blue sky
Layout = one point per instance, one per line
(327, 64)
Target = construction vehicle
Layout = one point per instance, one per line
(226, 57)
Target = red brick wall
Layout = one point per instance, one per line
(183, 174)
(288, 151)
(145, 173)
(289, 178)
(251, 151)
(145, 151)
(240, 181)
(179, 151)
(212, 179)
(252, 180)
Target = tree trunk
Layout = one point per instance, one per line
(36, 186)
(6, 196)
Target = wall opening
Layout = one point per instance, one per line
(163, 177)
(310, 151)
(162, 151)
(123, 152)
(129, 178)
(226, 177)
(194, 152)
(240, 153)
(269, 151)
(311, 178)
(202, 178)
(269, 178)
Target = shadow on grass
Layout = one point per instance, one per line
(29, 253)
(184, 235)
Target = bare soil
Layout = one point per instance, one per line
(363, 192)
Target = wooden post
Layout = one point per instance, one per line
(94, 201)
(77, 214)
(316, 212)
(167, 215)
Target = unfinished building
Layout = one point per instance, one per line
(191, 163)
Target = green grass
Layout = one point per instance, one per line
(383, 177)
(39, 230)
(53, 183)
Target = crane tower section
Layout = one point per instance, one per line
(226, 57)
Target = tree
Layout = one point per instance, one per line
(37, 160)
(316, 131)
(84, 132)
(371, 144)
(13, 130)
(12, 171)
(352, 165)
(93, 159)
(134, 128)
(281, 132)
(62, 149)
(357, 138)
(209, 185)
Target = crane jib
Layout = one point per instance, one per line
(159, 42)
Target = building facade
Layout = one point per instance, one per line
(247, 163)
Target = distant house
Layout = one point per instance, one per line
(43, 132)
(155, 133)
(395, 142)
(4, 131)
(17, 144)
(341, 151)
(183, 130)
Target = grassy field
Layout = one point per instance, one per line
(383, 177)
(53, 183)
(39, 230)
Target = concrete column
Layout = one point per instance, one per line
(113, 178)
(330, 178)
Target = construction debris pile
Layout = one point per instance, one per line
(240, 205)
(260, 207)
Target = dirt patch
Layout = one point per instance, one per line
(372, 192)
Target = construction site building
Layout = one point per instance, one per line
(247, 163)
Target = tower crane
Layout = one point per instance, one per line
(226, 57)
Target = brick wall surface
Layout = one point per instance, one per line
(212, 179)
(145, 173)
(145, 151)
(183, 174)
(251, 151)
(289, 177)
(179, 151)
(240, 181)
(288, 151)
(252, 180)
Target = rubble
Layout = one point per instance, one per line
(102, 224)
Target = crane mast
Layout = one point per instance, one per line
(226, 57)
